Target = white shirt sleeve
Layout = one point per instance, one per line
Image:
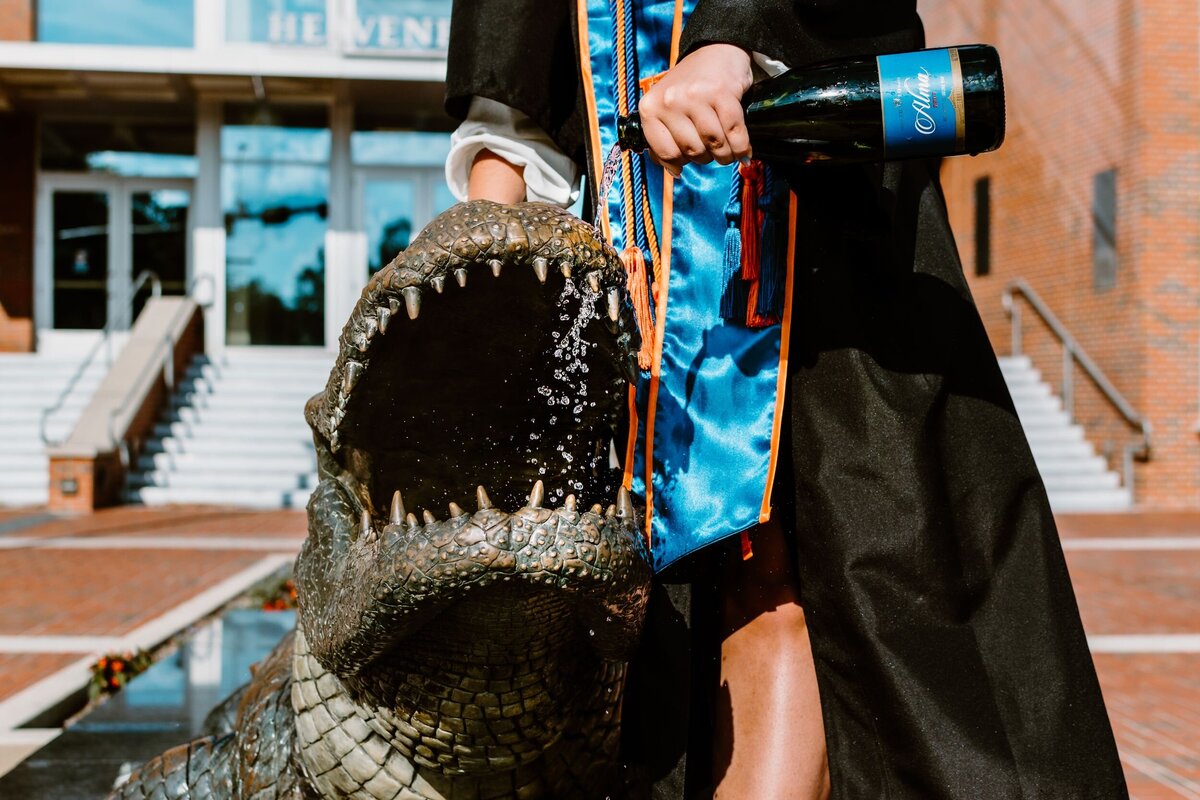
(765, 67)
(550, 175)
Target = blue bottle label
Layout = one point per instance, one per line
(922, 97)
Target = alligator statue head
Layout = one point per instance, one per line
(443, 652)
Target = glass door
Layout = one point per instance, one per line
(96, 234)
(393, 205)
(158, 213)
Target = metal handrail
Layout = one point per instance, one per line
(106, 333)
(117, 441)
(1072, 352)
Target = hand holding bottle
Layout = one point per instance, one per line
(694, 113)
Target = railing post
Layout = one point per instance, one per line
(1016, 328)
(1068, 381)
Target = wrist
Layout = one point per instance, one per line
(493, 178)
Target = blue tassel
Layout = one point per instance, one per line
(732, 263)
(773, 270)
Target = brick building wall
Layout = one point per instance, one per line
(1096, 85)
(16, 20)
(17, 175)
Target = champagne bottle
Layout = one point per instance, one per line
(941, 102)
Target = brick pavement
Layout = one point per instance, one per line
(1153, 698)
(48, 588)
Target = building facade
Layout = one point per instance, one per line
(1094, 202)
(262, 155)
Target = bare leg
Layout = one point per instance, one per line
(770, 739)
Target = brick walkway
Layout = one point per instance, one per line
(1135, 575)
(1153, 698)
(71, 588)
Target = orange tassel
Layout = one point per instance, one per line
(753, 318)
(639, 293)
(747, 549)
(751, 224)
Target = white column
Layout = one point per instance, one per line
(345, 249)
(208, 233)
(209, 24)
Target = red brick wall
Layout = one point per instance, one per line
(16, 20)
(17, 144)
(1095, 85)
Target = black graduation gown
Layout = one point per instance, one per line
(949, 652)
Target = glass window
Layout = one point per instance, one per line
(80, 254)
(120, 148)
(983, 226)
(293, 22)
(274, 192)
(399, 148)
(1104, 229)
(400, 27)
(156, 23)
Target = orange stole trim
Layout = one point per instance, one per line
(668, 207)
(785, 332)
(631, 440)
(589, 96)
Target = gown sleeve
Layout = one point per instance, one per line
(799, 32)
(520, 53)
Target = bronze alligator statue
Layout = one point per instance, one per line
(482, 655)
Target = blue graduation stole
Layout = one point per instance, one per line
(705, 416)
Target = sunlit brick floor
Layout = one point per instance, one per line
(1134, 574)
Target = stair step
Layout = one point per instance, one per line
(249, 498)
(249, 431)
(226, 480)
(1059, 482)
(1110, 500)
(297, 463)
(295, 448)
(15, 498)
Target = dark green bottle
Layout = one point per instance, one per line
(941, 102)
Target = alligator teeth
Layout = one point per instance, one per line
(438, 283)
(541, 269)
(456, 510)
(460, 275)
(614, 304)
(429, 517)
(597, 509)
(364, 524)
(569, 503)
(565, 269)
(385, 316)
(393, 304)
(593, 279)
(353, 371)
(372, 327)
(397, 515)
(411, 519)
(611, 511)
(537, 495)
(482, 499)
(496, 264)
(625, 508)
(412, 301)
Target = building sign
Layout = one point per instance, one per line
(363, 27)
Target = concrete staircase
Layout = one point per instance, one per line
(234, 432)
(1077, 479)
(29, 383)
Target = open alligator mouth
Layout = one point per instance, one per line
(494, 352)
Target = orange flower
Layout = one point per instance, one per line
(118, 666)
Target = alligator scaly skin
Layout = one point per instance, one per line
(478, 656)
